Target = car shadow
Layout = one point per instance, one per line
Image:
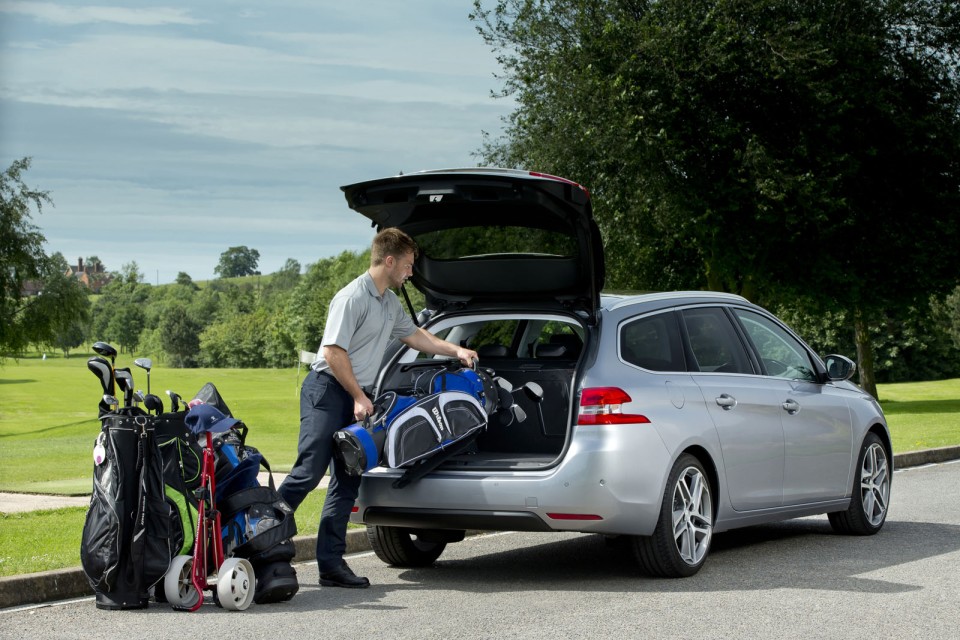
(798, 554)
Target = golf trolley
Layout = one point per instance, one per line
(234, 583)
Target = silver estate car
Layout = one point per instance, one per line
(665, 417)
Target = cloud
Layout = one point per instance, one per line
(66, 15)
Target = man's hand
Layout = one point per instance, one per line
(362, 408)
(467, 356)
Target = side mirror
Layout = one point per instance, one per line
(839, 367)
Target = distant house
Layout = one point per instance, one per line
(93, 277)
(31, 288)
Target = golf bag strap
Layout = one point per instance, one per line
(406, 296)
(427, 465)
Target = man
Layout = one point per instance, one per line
(361, 320)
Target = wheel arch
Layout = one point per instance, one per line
(884, 436)
(704, 457)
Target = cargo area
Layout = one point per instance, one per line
(544, 350)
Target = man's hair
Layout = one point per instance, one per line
(391, 242)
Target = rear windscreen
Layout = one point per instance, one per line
(450, 244)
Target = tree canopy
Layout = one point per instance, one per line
(238, 261)
(37, 301)
(773, 148)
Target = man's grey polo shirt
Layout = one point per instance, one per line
(362, 322)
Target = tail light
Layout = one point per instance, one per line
(604, 405)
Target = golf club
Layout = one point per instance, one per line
(125, 382)
(153, 403)
(106, 350)
(174, 401)
(146, 364)
(138, 397)
(104, 372)
(111, 401)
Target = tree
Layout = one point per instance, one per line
(185, 280)
(773, 148)
(35, 318)
(238, 261)
(180, 338)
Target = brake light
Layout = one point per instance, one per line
(604, 405)
(537, 174)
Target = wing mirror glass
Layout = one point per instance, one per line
(839, 367)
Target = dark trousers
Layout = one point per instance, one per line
(325, 407)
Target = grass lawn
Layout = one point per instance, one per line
(922, 415)
(48, 425)
(48, 416)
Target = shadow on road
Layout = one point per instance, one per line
(798, 554)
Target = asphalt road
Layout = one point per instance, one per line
(791, 580)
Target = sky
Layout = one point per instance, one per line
(167, 132)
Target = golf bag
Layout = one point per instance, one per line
(132, 530)
(447, 407)
(257, 524)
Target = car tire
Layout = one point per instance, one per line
(400, 547)
(681, 539)
(870, 497)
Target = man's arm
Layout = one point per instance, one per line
(342, 370)
(425, 342)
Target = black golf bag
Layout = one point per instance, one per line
(257, 524)
(132, 530)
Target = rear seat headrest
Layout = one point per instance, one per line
(492, 351)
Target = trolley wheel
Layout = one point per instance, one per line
(236, 584)
(178, 583)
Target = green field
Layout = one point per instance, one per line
(48, 416)
(48, 425)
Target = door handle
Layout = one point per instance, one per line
(726, 401)
(790, 406)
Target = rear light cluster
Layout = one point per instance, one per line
(604, 405)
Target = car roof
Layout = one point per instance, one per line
(664, 299)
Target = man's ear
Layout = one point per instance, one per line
(389, 261)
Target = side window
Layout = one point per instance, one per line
(714, 342)
(653, 343)
(782, 355)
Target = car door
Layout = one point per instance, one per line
(817, 424)
(742, 406)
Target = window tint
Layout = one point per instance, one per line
(781, 354)
(714, 342)
(653, 343)
(494, 338)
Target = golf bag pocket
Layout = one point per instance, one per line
(476, 383)
(432, 424)
(359, 447)
(257, 523)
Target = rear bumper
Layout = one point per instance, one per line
(610, 481)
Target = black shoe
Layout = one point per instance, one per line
(343, 577)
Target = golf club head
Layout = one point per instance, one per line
(533, 391)
(106, 350)
(146, 364)
(138, 396)
(111, 400)
(125, 381)
(104, 372)
(518, 414)
(174, 401)
(153, 403)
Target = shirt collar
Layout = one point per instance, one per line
(370, 285)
